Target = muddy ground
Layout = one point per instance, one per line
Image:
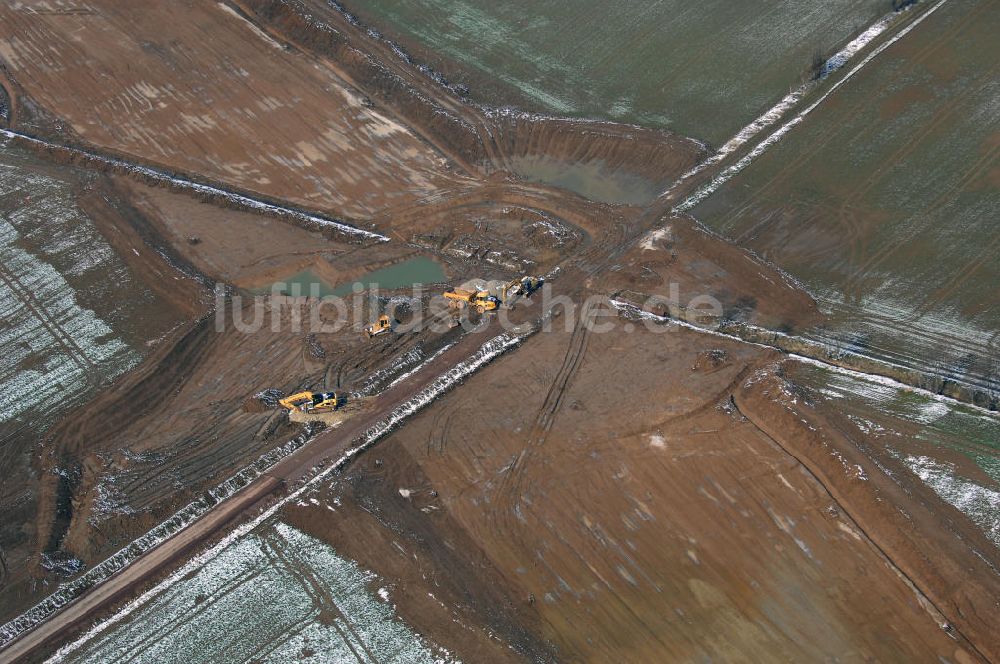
(646, 492)
(85, 299)
(653, 519)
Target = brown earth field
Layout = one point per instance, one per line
(575, 503)
(186, 417)
(262, 113)
(645, 492)
(655, 275)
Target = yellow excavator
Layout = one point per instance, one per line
(479, 300)
(312, 402)
(522, 287)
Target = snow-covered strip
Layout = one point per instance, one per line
(772, 115)
(402, 377)
(42, 312)
(776, 112)
(769, 118)
(240, 200)
(979, 503)
(166, 529)
(636, 312)
(251, 25)
(377, 378)
(885, 381)
(488, 352)
(277, 595)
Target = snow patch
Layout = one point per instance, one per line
(979, 503)
(653, 237)
(265, 594)
(253, 28)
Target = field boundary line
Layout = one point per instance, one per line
(882, 379)
(242, 201)
(767, 119)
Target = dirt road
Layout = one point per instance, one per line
(326, 447)
(149, 565)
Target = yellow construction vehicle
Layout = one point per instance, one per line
(483, 303)
(522, 287)
(312, 402)
(381, 326)
(479, 300)
(459, 298)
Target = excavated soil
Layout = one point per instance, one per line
(722, 284)
(642, 493)
(185, 420)
(649, 521)
(933, 546)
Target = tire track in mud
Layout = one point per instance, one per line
(557, 391)
(610, 245)
(319, 592)
(145, 490)
(144, 397)
(708, 405)
(441, 425)
(508, 496)
(816, 474)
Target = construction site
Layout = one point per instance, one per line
(331, 335)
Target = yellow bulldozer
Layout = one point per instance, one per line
(383, 325)
(312, 402)
(478, 300)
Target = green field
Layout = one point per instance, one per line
(703, 69)
(953, 449)
(884, 201)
